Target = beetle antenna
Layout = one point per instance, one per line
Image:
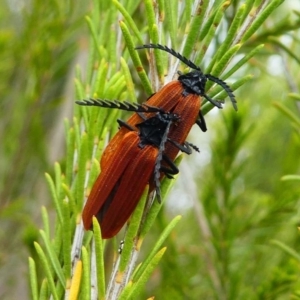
(128, 106)
(160, 157)
(226, 88)
(172, 52)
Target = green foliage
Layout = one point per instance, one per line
(240, 240)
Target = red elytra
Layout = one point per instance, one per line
(121, 185)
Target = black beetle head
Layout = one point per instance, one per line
(193, 82)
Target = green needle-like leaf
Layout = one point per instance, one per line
(99, 249)
(55, 264)
(137, 287)
(33, 279)
(155, 248)
(47, 270)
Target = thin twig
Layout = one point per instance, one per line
(250, 19)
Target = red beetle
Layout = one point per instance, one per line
(180, 97)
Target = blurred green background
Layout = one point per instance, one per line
(223, 247)
(40, 43)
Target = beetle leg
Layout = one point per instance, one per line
(201, 122)
(216, 103)
(124, 124)
(190, 145)
(172, 170)
(185, 148)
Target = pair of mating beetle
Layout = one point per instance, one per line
(149, 142)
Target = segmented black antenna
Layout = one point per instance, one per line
(159, 159)
(172, 52)
(128, 106)
(226, 88)
(193, 66)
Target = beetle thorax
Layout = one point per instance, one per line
(151, 131)
(193, 82)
